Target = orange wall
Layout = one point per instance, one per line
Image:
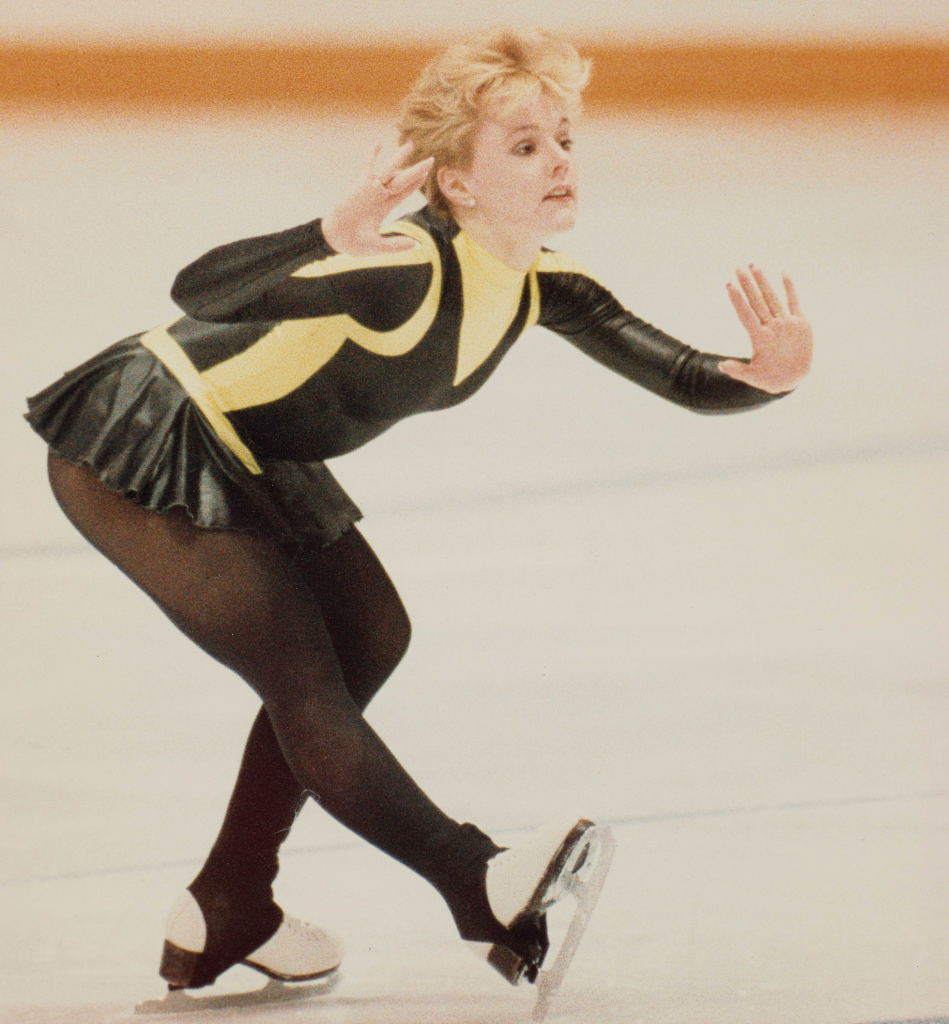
(165, 76)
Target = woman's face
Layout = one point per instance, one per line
(523, 172)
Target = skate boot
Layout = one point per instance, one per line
(296, 951)
(524, 882)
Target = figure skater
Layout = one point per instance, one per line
(192, 457)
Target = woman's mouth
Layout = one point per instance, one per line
(563, 193)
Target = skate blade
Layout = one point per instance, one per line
(585, 882)
(274, 991)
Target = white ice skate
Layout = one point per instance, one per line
(570, 858)
(296, 952)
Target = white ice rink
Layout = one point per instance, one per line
(725, 636)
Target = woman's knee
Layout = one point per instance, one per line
(394, 639)
(370, 652)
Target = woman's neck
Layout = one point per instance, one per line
(510, 247)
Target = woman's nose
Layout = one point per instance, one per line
(560, 157)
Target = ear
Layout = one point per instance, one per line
(453, 185)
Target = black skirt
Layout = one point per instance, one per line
(125, 415)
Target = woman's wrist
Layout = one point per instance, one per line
(320, 242)
(329, 230)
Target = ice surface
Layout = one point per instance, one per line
(724, 637)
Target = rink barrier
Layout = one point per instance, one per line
(171, 77)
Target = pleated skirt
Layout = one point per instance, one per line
(127, 417)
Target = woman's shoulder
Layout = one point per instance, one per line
(562, 268)
(569, 290)
(550, 261)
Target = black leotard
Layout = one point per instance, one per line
(295, 352)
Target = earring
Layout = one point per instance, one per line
(470, 201)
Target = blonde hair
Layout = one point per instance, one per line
(440, 115)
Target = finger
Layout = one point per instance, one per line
(746, 315)
(395, 161)
(373, 157)
(388, 194)
(794, 305)
(396, 243)
(411, 178)
(769, 295)
(381, 168)
(757, 303)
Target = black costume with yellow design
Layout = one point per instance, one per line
(294, 354)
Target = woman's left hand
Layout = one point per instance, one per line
(781, 342)
(354, 225)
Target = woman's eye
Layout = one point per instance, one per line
(524, 149)
(566, 144)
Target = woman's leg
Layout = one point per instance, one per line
(240, 598)
(362, 610)
(369, 630)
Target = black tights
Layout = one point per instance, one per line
(315, 636)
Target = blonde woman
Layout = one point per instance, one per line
(192, 457)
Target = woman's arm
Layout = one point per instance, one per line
(576, 306)
(227, 280)
(252, 279)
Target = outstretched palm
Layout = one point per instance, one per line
(781, 341)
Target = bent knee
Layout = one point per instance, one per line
(380, 653)
(369, 659)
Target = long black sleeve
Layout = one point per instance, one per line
(231, 282)
(581, 310)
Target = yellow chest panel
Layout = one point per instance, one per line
(294, 350)
(491, 295)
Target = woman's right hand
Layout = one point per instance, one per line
(353, 226)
